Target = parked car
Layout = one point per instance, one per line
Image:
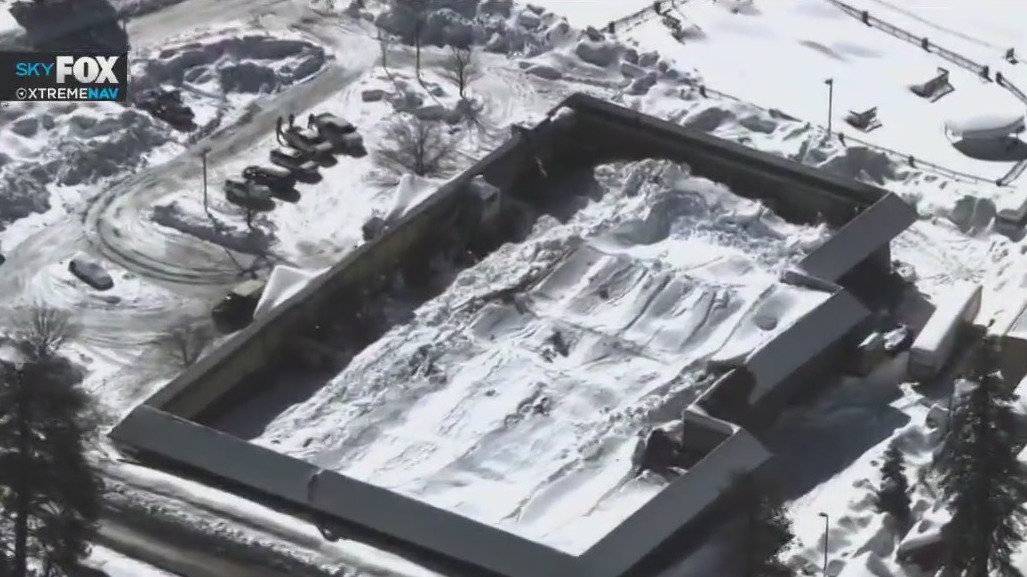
(328, 125)
(338, 131)
(91, 273)
(297, 162)
(273, 177)
(353, 145)
(249, 195)
(235, 311)
(308, 140)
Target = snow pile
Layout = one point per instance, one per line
(193, 221)
(499, 25)
(521, 406)
(411, 191)
(247, 64)
(67, 145)
(75, 144)
(283, 283)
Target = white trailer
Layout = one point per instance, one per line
(933, 346)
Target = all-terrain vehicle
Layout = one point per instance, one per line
(297, 162)
(249, 195)
(276, 178)
(235, 311)
(167, 105)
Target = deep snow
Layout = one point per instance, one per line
(526, 413)
(63, 156)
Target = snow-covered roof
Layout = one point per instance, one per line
(986, 126)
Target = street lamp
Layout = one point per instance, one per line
(827, 526)
(830, 103)
(203, 156)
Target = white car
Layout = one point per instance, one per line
(91, 273)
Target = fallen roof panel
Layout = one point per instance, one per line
(871, 230)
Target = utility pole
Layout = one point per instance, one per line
(827, 527)
(830, 103)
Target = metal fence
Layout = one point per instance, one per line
(982, 70)
(637, 18)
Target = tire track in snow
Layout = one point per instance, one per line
(180, 258)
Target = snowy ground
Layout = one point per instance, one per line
(90, 179)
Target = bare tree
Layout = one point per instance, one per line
(43, 330)
(186, 341)
(458, 68)
(422, 147)
(383, 47)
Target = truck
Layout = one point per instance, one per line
(235, 310)
(954, 312)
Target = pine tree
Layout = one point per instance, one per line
(893, 494)
(50, 492)
(767, 530)
(982, 480)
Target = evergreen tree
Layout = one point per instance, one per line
(50, 492)
(767, 531)
(893, 494)
(982, 480)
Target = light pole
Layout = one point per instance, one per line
(827, 526)
(203, 157)
(830, 103)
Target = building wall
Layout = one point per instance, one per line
(681, 514)
(353, 279)
(796, 192)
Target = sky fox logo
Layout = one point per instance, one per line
(81, 69)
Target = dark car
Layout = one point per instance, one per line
(273, 177)
(297, 162)
(236, 310)
(91, 273)
(249, 195)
